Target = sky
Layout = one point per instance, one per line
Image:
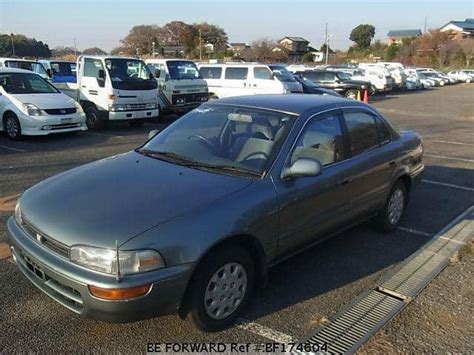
(103, 23)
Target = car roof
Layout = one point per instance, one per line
(290, 103)
(14, 70)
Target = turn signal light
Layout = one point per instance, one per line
(117, 294)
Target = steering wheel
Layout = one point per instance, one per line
(203, 140)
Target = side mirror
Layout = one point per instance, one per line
(302, 167)
(157, 73)
(101, 74)
(167, 77)
(49, 72)
(101, 78)
(153, 133)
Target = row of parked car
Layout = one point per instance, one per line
(97, 89)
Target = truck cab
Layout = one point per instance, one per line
(60, 71)
(25, 64)
(113, 89)
(181, 87)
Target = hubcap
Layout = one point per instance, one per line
(225, 291)
(12, 127)
(395, 206)
(92, 118)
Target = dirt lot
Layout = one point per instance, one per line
(302, 290)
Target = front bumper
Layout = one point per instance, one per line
(67, 283)
(132, 115)
(50, 124)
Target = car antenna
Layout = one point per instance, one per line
(118, 260)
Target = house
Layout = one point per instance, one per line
(172, 51)
(297, 47)
(459, 29)
(396, 36)
(238, 47)
(208, 48)
(320, 57)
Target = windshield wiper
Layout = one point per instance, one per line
(178, 159)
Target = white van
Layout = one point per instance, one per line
(181, 87)
(226, 80)
(25, 64)
(397, 72)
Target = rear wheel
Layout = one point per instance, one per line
(93, 119)
(391, 214)
(221, 288)
(351, 94)
(12, 127)
(468, 81)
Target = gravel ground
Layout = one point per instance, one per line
(439, 320)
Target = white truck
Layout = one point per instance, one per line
(180, 85)
(113, 89)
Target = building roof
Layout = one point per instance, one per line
(234, 44)
(404, 33)
(294, 39)
(467, 24)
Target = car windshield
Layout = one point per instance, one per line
(182, 69)
(223, 139)
(130, 74)
(282, 73)
(23, 64)
(343, 75)
(25, 83)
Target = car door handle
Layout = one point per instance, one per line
(345, 181)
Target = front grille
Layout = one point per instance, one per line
(61, 111)
(66, 295)
(64, 126)
(137, 106)
(44, 240)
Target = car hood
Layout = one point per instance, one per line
(46, 101)
(117, 198)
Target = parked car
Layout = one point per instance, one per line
(225, 80)
(438, 79)
(338, 81)
(425, 82)
(461, 75)
(191, 221)
(31, 106)
(447, 79)
(413, 83)
(397, 72)
(468, 72)
(309, 87)
(181, 86)
(25, 64)
(286, 77)
(60, 71)
(379, 78)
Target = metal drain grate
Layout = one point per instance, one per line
(354, 326)
(357, 322)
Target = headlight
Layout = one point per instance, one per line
(118, 107)
(105, 260)
(78, 107)
(18, 217)
(31, 110)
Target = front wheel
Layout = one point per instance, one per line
(468, 81)
(93, 120)
(12, 127)
(222, 287)
(389, 217)
(351, 94)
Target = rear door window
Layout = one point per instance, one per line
(362, 131)
(211, 72)
(262, 73)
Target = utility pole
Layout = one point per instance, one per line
(153, 50)
(13, 44)
(426, 22)
(327, 43)
(200, 45)
(75, 49)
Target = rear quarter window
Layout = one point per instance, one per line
(211, 72)
(236, 73)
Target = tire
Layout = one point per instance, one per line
(468, 81)
(137, 123)
(390, 216)
(441, 83)
(351, 94)
(213, 97)
(208, 284)
(12, 127)
(93, 119)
